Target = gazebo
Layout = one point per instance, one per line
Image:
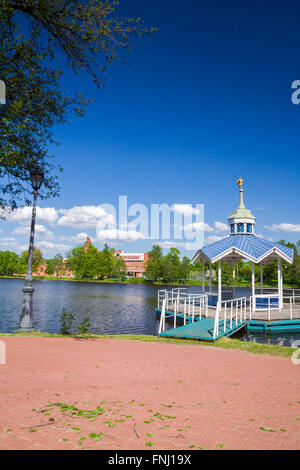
(243, 244)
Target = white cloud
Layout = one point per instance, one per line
(116, 234)
(221, 227)
(85, 217)
(198, 226)
(285, 227)
(46, 214)
(213, 239)
(10, 243)
(79, 238)
(40, 231)
(53, 246)
(7, 239)
(169, 244)
(185, 209)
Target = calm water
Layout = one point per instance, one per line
(112, 308)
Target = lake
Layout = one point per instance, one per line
(112, 308)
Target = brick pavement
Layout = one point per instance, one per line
(149, 395)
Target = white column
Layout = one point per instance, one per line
(280, 282)
(219, 282)
(233, 280)
(203, 277)
(253, 287)
(281, 285)
(261, 279)
(210, 277)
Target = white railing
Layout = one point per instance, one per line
(266, 302)
(287, 291)
(162, 322)
(181, 306)
(171, 295)
(291, 305)
(289, 308)
(233, 311)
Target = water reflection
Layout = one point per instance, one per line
(280, 339)
(112, 308)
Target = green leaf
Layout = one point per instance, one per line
(266, 429)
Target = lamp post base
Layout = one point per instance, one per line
(25, 330)
(26, 322)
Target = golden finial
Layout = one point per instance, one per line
(240, 182)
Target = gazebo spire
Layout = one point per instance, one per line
(241, 221)
(240, 185)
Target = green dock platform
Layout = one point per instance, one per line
(203, 329)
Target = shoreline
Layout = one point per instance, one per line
(138, 282)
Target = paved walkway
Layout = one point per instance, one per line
(145, 395)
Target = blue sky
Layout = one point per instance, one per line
(205, 100)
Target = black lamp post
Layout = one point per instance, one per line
(26, 321)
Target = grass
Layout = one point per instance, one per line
(225, 343)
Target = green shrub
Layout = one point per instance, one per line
(84, 325)
(66, 320)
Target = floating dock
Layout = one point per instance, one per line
(281, 326)
(201, 329)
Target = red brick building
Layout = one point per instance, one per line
(135, 262)
(65, 272)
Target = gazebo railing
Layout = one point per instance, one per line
(182, 308)
(233, 310)
(289, 308)
(170, 295)
(293, 306)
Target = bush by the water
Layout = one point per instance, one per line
(66, 320)
(84, 325)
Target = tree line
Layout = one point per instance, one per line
(87, 262)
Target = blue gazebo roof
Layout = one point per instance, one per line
(245, 246)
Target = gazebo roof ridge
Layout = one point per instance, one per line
(250, 247)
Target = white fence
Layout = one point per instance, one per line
(176, 304)
(269, 303)
(234, 311)
(180, 306)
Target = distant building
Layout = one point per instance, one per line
(87, 244)
(65, 272)
(135, 262)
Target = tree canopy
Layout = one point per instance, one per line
(168, 268)
(90, 36)
(88, 262)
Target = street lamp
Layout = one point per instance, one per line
(26, 321)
